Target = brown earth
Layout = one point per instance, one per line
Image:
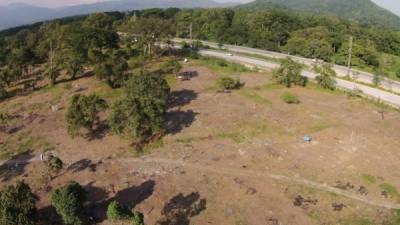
(224, 156)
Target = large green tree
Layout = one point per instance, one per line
(140, 115)
(325, 76)
(17, 205)
(289, 73)
(83, 112)
(68, 201)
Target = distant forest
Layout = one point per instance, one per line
(323, 37)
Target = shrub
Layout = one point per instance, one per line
(138, 218)
(326, 82)
(3, 83)
(83, 113)
(115, 212)
(379, 75)
(229, 83)
(17, 205)
(289, 73)
(54, 164)
(171, 66)
(398, 73)
(4, 120)
(324, 79)
(68, 201)
(290, 98)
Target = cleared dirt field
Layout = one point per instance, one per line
(228, 158)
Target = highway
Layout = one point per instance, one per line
(387, 97)
(341, 71)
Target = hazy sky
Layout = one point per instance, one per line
(393, 5)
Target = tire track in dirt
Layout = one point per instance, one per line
(247, 173)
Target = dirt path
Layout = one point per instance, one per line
(247, 173)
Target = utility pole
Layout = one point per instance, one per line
(191, 32)
(350, 55)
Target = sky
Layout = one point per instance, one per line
(393, 5)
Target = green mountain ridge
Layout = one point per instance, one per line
(362, 11)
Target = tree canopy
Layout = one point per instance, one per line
(17, 205)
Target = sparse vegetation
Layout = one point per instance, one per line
(68, 201)
(290, 98)
(116, 212)
(325, 78)
(229, 83)
(390, 189)
(138, 218)
(171, 66)
(4, 120)
(369, 179)
(83, 113)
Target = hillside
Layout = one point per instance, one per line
(21, 14)
(363, 11)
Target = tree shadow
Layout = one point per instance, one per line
(180, 209)
(129, 198)
(83, 75)
(15, 166)
(181, 98)
(99, 132)
(48, 216)
(178, 120)
(79, 165)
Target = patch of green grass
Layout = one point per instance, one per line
(221, 66)
(318, 127)
(356, 220)
(185, 140)
(148, 148)
(369, 179)
(106, 92)
(254, 96)
(55, 91)
(390, 189)
(290, 98)
(22, 143)
(272, 86)
(236, 137)
(171, 80)
(394, 220)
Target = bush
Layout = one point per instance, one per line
(171, 66)
(290, 98)
(17, 205)
(289, 73)
(115, 212)
(68, 201)
(83, 113)
(138, 218)
(378, 77)
(324, 79)
(139, 116)
(4, 120)
(54, 164)
(229, 83)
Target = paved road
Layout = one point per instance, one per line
(341, 71)
(384, 96)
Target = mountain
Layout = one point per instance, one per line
(20, 14)
(363, 11)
